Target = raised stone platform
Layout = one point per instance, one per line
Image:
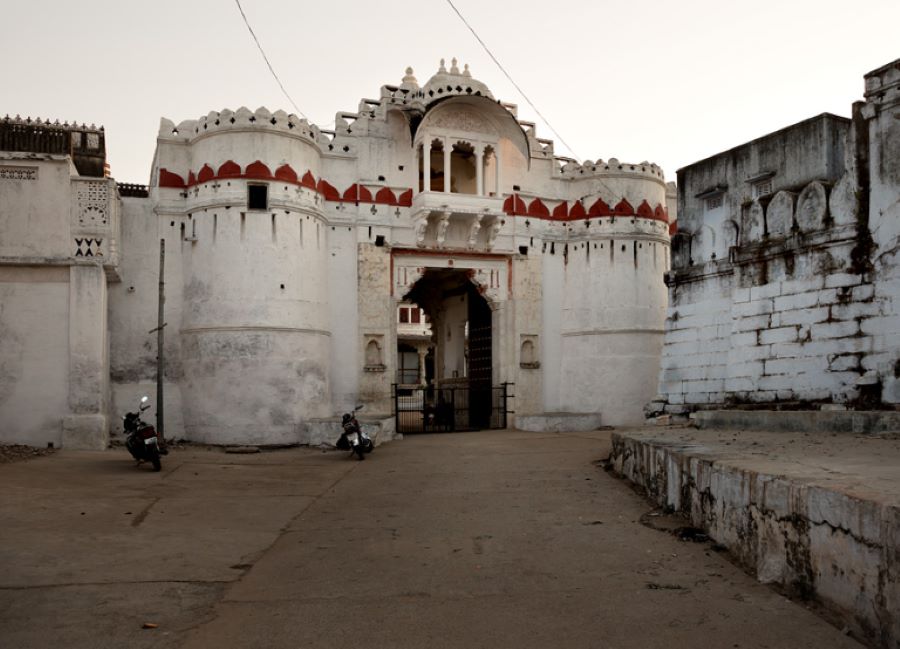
(559, 422)
(817, 513)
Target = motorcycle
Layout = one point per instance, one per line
(141, 438)
(353, 438)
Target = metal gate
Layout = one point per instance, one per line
(450, 409)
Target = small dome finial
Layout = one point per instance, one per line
(442, 69)
(409, 79)
(454, 68)
(466, 72)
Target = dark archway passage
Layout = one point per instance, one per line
(461, 395)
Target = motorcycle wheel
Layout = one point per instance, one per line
(153, 452)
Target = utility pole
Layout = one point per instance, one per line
(160, 343)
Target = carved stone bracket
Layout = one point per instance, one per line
(443, 224)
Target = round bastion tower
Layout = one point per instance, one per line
(255, 325)
(612, 306)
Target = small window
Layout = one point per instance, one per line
(414, 316)
(713, 202)
(257, 197)
(404, 315)
(763, 188)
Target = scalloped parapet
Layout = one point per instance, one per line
(241, 119)
(568, 169)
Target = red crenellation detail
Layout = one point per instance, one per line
(385, 197)
(577, 211)
(329, 192)
(561, 211)
(356, 193)
(205, 174)
(308, 180)
(405, 199)
(644, 210)
(229, 169)
(258, 171)
(599, 208)
(538, 209)
(623, 208)
(286, 172)
(169, 179)
(660, 213)
(192, 179)
(673, 228)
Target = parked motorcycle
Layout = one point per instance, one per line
(353, 438)
(141, 438)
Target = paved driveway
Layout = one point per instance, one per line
(492, 539)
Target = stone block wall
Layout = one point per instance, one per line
(787, 293)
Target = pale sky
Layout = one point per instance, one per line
(670, 82)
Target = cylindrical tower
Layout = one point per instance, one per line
(614, 296)
(255, 324)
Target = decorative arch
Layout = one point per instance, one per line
(561, 211)
(229, 169)
(537, 209)
(169, 179)
(287, 173)
(623, 208)
(644, 210)
(205, 174)
(385, 196)
(599, 208)
(577, 211)
(258, 170)
(308, 180)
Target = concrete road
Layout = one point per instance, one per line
(492, 539)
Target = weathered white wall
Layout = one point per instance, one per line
(34, 354)
(801, 306)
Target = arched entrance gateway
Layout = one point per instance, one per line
(458, 393)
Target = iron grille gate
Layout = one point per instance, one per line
(450, 409)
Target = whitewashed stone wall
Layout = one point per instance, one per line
(784, 283)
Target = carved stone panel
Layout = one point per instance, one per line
(91, 210)
(18, 173)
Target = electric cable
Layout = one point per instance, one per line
(266, 59)
(503, 70)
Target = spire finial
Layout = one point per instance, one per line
(442, 69)
(466, 72)
(409, 79)
(454, 68)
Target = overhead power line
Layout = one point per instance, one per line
(503, 70)
(266, 59)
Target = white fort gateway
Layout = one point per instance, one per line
(430, 241)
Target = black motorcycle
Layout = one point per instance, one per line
(141, 438)
(353, 438)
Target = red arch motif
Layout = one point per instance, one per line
(644, 210)
(385, 197)
(229, 169)
(599, 208)
(577, 210)
(623, 208)
(286, 172)
(538, 209)
(258, 171)
(169, 179)
(561, 211)
(205, 174)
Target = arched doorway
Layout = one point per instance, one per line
(461, 395)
